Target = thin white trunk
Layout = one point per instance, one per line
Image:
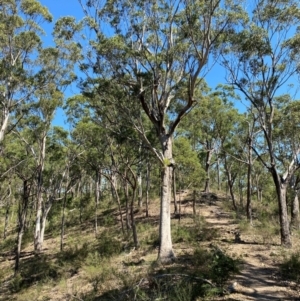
(5, 118)
(38, 223)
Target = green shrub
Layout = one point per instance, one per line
(222, 267)
(108, 245)
(290, 268)
(16, 283)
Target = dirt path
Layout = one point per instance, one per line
(258, 279)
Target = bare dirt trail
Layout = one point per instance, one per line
(259, 276)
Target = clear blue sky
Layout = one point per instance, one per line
(60, 9)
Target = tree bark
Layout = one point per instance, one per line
(8, 204)
(194, 202)
(295, 218)
(133, 226)
(249, 180)
(97, 197)
(230, 181)
(40, 169)
(174, 192)
(22, 212)
(209, 154)
(128, 226)
(166, 253)
(62, 232)
(281, 189)
(147, 189)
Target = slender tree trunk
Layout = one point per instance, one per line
(139, 179)
(249, 181)
(4, 118)
(194, 202)
(166, 253)
(22, 212)
(62, 232)
(40, 169)
(241, 193)
(295, 218)
(230, 186)
(119, 204)
(126, 192)
(140, 190)
(97, 197)
(8, 204)
(44, 220)
(281, 189)
(230, 181)
(218, 172)
(147, 188)
(133, 226)
(174, 192)
(209, 154)
(81, 204)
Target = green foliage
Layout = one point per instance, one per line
(75, 256)
(16, 284)
(290, 268)
(108, 246)
(189, 171)
(222, 267)
(39, 269)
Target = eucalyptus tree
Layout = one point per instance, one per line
(208, 125)
(20, 44)
(156, 52)
(286, 143)
(189, 170)
(261, 61)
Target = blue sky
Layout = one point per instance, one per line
(60, 9)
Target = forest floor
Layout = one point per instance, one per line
(79, 273)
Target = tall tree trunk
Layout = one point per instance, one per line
(22, 212)
(281, 189)
(218, 171)
(249, 180)
(241, 186)
(209, 154)
(40, 169)
(194, 202)
(4, 117)
(133, 226)
(295, 218)
(140, 190)
(126, 193)
(44, 216)
(8, 204)
(139, 179)
(119, 204)
(174, 192)
(230, 181)
(147, 188)
(166, 253)
(97, 197)
(62, 230)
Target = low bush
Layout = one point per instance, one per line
(290, 268)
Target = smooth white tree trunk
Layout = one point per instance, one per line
(166, 253)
